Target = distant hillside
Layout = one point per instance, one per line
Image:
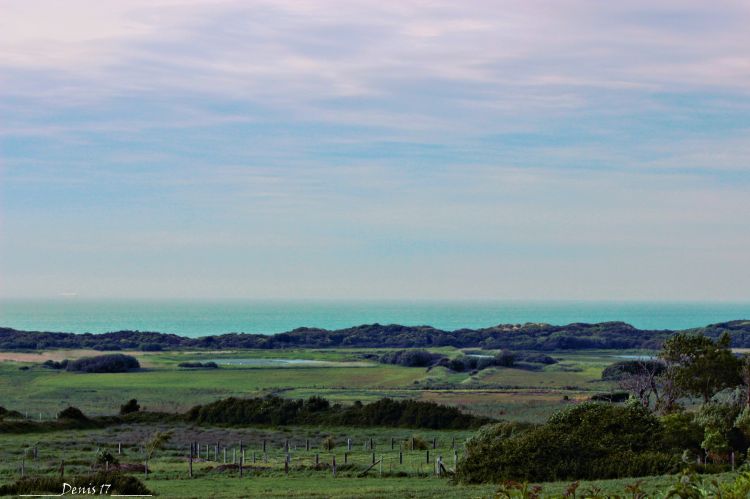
(530, 336)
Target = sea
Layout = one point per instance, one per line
(195, 318)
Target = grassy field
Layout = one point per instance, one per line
(340, 375)
(264, 473)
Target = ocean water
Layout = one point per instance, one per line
(200, 318)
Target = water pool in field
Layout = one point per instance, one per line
(259, 362)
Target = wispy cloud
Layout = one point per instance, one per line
(476, 148)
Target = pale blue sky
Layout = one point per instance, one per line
(370, 149)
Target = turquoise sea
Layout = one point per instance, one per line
(199, 318)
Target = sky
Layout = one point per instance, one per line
(561, 149)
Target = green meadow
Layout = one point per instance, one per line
(341, 375)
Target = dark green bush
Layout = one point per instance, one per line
(410, 358)
(111, 363)
(73, 413)
(199, 365)
(130, 407)
(7, 413)
(682, 432)
(587, 441)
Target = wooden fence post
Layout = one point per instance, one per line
(428, 456)
(349, 444)
(307, 444)
(400, 457)
(242, 458)
(190, 462)
(434, 443)
(333, 466)
(62, 468)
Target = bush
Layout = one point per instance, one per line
(199, 365)
(130, 407)
(72, 413)
(534, 358)
(105, 458)
(410, 358)
(51, 364)
(112, 363)
(7, 413)
(681, 432)
(329, 444)
(587, 441)
(504, 359)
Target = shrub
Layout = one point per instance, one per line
(329, 444)
(51, 364)
(7, 413)
(130, 407)
(587, 441)
(410, 358)
(199, 365)
(72, 413)
(105, 457)
(417, 443)
(111, 363)
(504, 359)
(681, 432)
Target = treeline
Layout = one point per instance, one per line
(276, 411)
(530, 336)
(270, 410)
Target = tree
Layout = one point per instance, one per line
(641, 379)
(699, 366)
